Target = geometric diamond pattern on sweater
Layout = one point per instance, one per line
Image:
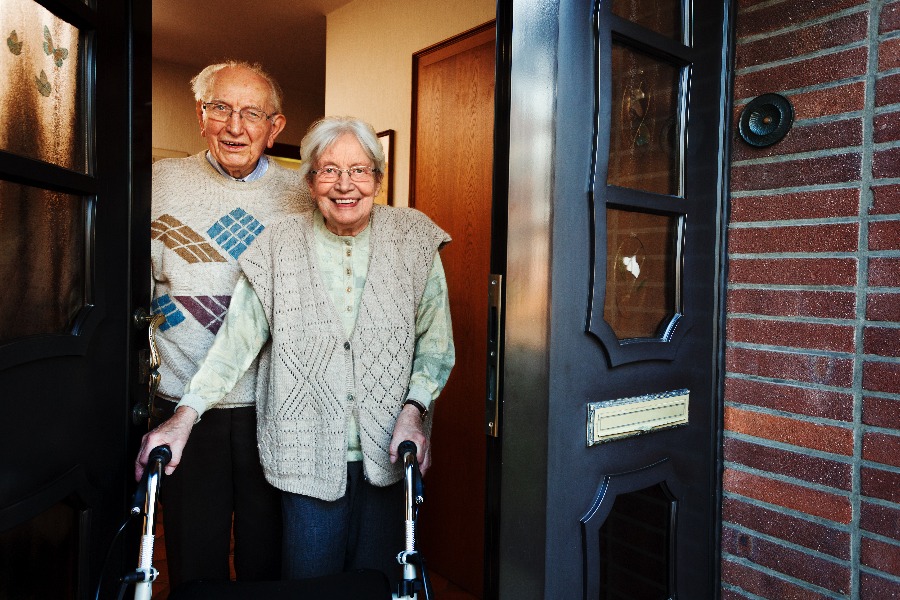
(184, 241)
(209, 311)
(235, 231)
(166, 307)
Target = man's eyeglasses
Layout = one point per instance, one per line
(222, 112)
(358, 174)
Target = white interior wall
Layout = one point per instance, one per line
(368, 63)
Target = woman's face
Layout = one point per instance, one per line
(345, 204)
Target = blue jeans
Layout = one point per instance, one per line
(362, 530)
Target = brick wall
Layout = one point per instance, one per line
(811, 502)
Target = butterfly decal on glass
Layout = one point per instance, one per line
(15, 46)
(43, 84)
(58, 54)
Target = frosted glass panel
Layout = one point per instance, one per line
(42, 254)
(641, 273)
(41, 89)
(661, 16)
(644, 145)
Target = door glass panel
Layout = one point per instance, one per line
(641, 273)
(42, 254)
(634, 547)
(41, 91)
(644, 145)
(661, 16)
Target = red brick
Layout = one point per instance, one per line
(793, 563)
(783, 14)
(889, 54)
(880, 555)
(821, 370)
(872, 587)
(881, 520)
(883, 307)
(803, 73)
(795, 497)
(885, 235)
(887, 127)
(881, 412)
(840, 237)
(812, 402)
(886, 198)
(798, 271)
(890, 17)
(811, 39)
(881, 377)
(800, 205)
(764, 585)
(732, 595)
(881, 448)
(792, 464)
(806, 138)
(827, 438)
(834, 100)
(821, 170)
(886, 163)
(815, 536)
(887, 90)
(884, 272)
(881, 341)
(793, 303)
(878, 483)
(815, 336)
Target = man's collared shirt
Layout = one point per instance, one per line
(261, 166)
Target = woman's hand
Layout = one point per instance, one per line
(409, 427)
(173, 432)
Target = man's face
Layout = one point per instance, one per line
(237, 143)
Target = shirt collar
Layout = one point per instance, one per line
(261, 166)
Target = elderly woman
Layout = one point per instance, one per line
(354, 299)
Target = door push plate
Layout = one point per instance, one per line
(625, 417)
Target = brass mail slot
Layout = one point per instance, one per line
(614, 419)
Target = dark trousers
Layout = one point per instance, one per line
(220, 477)
(362, 530)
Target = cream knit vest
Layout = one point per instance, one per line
(316, 377)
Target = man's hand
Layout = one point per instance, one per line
(409, 427)
(173, 432)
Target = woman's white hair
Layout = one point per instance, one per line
(324, 132)
(202, 83)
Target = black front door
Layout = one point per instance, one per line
(74, 185)
(610, 418)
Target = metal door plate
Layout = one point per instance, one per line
(625, 417)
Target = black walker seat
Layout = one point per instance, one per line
(364, 584)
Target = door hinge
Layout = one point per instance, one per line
(495, 320)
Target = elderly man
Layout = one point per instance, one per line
(207, 209)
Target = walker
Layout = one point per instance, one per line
(355, 585)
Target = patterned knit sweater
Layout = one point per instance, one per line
(317, 377)
(201, 222)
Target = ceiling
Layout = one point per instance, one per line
(286, 36)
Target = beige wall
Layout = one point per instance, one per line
(175, 122)
(368, 64)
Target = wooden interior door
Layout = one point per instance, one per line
(451, 175)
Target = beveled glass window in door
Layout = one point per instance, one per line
(635, 547)
(645, 131)
(661, 16)
(642, 273)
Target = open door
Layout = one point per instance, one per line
(74, 208)
(610, 413)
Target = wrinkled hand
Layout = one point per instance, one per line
(173, 432)
(409, 427)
